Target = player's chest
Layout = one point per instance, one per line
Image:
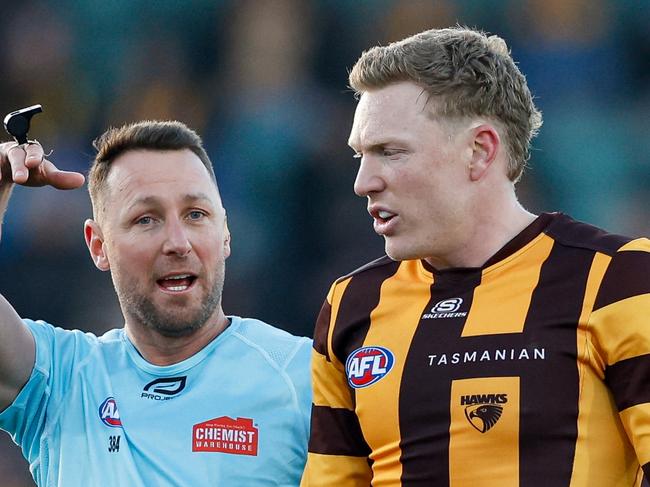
(189, 418)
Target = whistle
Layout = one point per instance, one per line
(17, 123)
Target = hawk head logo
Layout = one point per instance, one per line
(483, 416)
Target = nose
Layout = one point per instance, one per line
(177, 240)
(369, 178)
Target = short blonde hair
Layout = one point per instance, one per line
(467, 73)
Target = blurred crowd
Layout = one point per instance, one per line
(265, 83)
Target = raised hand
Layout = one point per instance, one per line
(26, 164)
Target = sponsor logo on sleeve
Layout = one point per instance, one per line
(367, 365)
(109, 413)
(225, 435)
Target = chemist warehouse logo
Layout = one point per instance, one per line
(447, 308)
(225, 435)
(483, 410)
(367, 365)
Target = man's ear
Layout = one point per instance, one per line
(226, 238)
(95, 243)
(486, 143)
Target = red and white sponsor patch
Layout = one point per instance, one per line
(225, 435)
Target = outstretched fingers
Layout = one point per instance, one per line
(61, 179)
(26, 165)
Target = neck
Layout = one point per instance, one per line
(493, 227)
(159, 349)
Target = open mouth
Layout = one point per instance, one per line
(384, 216)
(176, 283)
(384, 221)
(381, 217)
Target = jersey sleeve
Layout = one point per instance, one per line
(25, 419)
(620, 335)
(296, 369)
(338, 453)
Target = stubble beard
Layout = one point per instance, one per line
(178, 322)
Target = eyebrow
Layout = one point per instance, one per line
(154, 200)
(373, 147)
(196, 197)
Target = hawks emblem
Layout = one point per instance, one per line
(483, 416)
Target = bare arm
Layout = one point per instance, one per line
(26, 166)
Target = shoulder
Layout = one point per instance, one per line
(69, 347)
(362, 281)
(627, 276)
(621, 264)
(572, 233)
(384, 263)
(374, 272)
(273, 344)
(43, 331)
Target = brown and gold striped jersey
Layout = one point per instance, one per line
(533, 370)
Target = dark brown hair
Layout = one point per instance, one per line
(146, 135)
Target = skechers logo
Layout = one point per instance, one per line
(447, 308)
(164, 389)
(367, 365)
(483, 410)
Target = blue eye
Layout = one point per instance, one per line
(145, 220)
(390, 152)
(196, 215)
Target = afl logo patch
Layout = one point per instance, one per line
(109, 414)
(367, 365)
